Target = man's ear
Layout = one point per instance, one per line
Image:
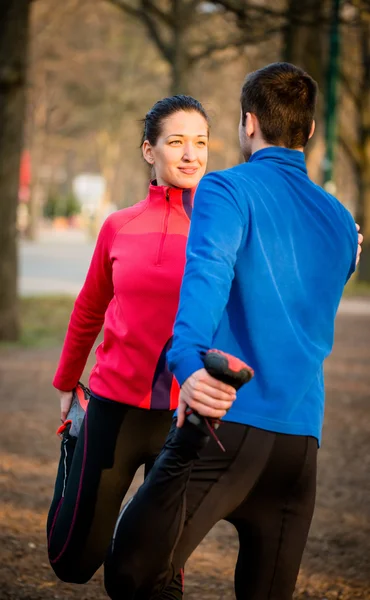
(250, 125)
(147, 152)
(313, 127)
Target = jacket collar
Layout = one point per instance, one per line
(175, 196)
(282, 156)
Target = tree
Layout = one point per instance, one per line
(355, 126)
(188, 31)
(14, 26)
(363, 210)
(304, 44)
(86, 95)
(363, 158)
(302, 36)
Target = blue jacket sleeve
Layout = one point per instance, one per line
(217, 229)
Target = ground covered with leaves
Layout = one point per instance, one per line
(336, 564)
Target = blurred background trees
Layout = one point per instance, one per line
(14, 25)
(186, 32)
(96, 66)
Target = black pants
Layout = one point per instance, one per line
(264, 485)
(93, 477)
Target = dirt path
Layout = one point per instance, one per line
(337, 559)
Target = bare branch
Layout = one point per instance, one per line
(143, 14)
(351, 149)
(349, 89)
(243, 9)
(193, 5)
(154, 32)
(160, 14)
(231, 42)
(127, 8)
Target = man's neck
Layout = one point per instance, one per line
(259, 144)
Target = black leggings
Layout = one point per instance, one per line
(264, 485)
(94, 474)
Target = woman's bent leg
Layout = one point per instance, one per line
(94, 475)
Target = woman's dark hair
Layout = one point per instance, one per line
(163, 109)
(283, 98)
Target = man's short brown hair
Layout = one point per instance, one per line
(283, 98)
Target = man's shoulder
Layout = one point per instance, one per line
(232, 177)
(336, 205)
(236, 171)
(340, 218)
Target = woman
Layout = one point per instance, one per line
(132, 288)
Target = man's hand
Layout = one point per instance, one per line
(360, 240)
(65, 404)
(206, 395)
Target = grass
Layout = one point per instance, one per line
(44, 320)
(357, 288)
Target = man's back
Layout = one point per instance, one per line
(294, 248)
(268, 256)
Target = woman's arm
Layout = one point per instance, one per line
(87, 317)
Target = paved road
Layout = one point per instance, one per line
(57, 263)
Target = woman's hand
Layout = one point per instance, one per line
(206, 395)
(65, 404)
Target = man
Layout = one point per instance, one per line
(268, 256)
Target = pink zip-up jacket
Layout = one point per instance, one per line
(132, 289)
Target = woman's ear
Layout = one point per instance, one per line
(147, 152)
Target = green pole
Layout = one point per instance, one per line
(331, 97)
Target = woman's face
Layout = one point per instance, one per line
(180, 155)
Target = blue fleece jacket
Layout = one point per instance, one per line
(268, 256)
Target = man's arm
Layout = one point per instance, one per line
(217, 229)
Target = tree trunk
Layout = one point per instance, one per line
(14, 23)
(303, 46)
(291, 46)
(363, 206)
(180, 67)
(363, 209)
(302, 43)
(180, 75)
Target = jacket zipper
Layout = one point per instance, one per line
(164, 230)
